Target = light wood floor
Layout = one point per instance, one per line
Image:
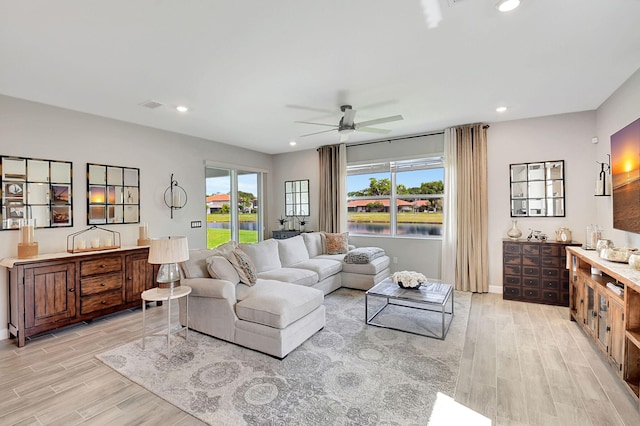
(523, 364)
(527, 364)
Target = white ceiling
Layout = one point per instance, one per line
(248, 69)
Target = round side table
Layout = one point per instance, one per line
(165, 295)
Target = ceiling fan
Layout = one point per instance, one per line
(348, 125)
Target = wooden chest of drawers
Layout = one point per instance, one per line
(52, 291)
(535, 271)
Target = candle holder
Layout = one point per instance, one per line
(93, 238)
(27, 246)
(177, 196)
(143, 235)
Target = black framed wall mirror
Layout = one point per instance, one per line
(296, 197)
(537, 189)
(36, 189)
(113, 194)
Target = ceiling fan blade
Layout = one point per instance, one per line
(349, 116)
(316, 133)
(373, 130)
(379, 121)
(344, 137)
(317, 124)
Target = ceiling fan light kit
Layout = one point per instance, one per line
(348, 125)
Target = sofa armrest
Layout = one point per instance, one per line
(211, 287)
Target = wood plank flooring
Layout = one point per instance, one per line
(527, 364)
(523, 364)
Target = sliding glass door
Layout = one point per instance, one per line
(228, 187)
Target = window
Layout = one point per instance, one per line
(233, 187)
(415, 189)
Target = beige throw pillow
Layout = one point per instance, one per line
(244, 266)
(336, 243)
(219, 267)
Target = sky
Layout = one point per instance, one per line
(221, 185)
(408, 179)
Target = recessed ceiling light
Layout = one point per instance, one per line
(501, 109)
(293, 143)
(182, 108)
(507, 5)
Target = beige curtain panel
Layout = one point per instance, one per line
(333, 169)
(472, 262)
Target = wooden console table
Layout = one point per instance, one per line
(610, 319)
(58, 289)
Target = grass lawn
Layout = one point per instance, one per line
(244, 217)
(215, 237)
(402, 217)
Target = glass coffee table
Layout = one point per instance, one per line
(434, 299)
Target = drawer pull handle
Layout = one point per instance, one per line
(71, 290)
(104, 302)
(103, 284)
(129, 278)
(103, 266)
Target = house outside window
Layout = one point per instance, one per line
(396, 198)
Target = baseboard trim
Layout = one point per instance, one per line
(495, 289)
(4, 334)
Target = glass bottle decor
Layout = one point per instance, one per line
(514, 233)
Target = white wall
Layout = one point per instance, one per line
(622, 108)
(560, 137)
(299, 165)
(35, 130)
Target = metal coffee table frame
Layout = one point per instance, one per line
(433, 294)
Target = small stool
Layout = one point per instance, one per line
(161, 295)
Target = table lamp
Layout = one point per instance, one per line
(168, 252)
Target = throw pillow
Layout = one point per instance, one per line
(219, 267)
(337, 243)
(244, 266)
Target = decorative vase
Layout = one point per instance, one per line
(514, 233)
(634, 261)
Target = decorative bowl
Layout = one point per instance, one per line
(620, 254)
(408, 287)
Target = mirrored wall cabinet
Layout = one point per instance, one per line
(36, 189)
(296, 197)
(113, 194)
(537, 189)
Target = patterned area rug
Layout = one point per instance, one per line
(348, 373)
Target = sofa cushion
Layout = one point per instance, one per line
(264, 254)
(196, 266)
(292, 250)
(277, 304)
(304, 277)
(323, 267)
(314, 243)
(336, 243)
(371, 268)
(219, 267)
(244, 266)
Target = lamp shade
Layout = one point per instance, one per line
(168, 250)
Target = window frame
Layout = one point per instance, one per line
(393, 167)
(234, 216)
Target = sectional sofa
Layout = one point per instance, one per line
(284, 305)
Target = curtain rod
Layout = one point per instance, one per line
(441, 132)
(396, 139)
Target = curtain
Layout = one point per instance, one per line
(472, 268)
(333, 188)
(449, 225)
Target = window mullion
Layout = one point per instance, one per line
(393, 205)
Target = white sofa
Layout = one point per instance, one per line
(285, 305)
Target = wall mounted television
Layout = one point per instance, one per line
(625, 169)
